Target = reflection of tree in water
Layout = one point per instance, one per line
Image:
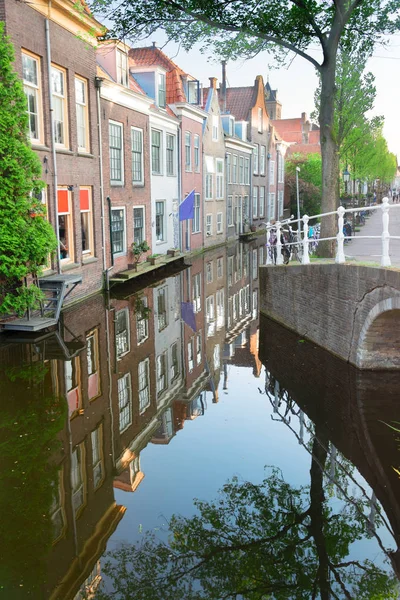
(30, 418)
(254, 542)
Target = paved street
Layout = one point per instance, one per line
(371, 250)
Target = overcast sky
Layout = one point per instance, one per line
(297, 83)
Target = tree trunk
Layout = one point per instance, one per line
(330, 163)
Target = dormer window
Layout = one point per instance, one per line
(162, 92)
(193, 93)
(122, 68)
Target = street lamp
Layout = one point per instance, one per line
(346, 179)
(298, 201)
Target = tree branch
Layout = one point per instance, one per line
(311, 20)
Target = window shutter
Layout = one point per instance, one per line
(62, 196)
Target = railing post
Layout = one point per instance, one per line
(269, 250)
(340, 257)
(279, 257)
(385, 259)
(305, 260)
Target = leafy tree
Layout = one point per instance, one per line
(25, 239)
(243, 28)
(270, 540)
(310, 182)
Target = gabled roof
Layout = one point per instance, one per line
(101, 71)
(240, 101)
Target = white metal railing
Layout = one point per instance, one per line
(303, 240)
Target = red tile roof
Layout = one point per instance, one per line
(240, 101)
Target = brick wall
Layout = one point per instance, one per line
(337, 307)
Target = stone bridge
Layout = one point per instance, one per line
(350, 310)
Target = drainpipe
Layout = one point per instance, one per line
(97, 82)
(110, 231)
(53, 146)
(180, 174)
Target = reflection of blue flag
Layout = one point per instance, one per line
(186, 208)
(188, 315)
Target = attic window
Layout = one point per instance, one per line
(162, 94)
(122, 68)
(193, 92)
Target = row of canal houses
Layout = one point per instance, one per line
(130, 136)
(131, 373)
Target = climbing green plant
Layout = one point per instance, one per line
(26, 237)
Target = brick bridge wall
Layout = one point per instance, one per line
(352, 311)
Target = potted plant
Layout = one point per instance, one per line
(153, 259)
(246, 226)
(253, 227)
(138, 249)
(173, 252)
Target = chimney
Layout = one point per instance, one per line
(303, 117)
(154, 45)
(223, 87)
(213, 83)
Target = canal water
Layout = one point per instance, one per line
(165, 443)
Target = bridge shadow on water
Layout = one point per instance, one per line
(353, 411)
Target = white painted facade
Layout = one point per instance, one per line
(164, 185)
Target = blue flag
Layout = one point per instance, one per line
(186, 208)
(187, 314)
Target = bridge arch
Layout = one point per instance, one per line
(379, 341)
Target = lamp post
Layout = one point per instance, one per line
(298, 201)
(346, 179)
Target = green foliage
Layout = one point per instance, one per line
(31, 417)
(310, 182)
(252, 542)
(24, 296)
(138, 249)
(25, 241)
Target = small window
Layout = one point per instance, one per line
(162, 309)
(262, 201)
(162, 94)
(271, 172)
(220, 267)
(116, 154)
(170, 152)
(255, 201)
(122, 333)
(262, 160)
(138, 224)
(59, 94)
(122, 68)
(215, 128)
(260, 120)
(188, 151)
(65, 225)
(230, 211)
(219, 223)
(137, 156)
(156, 152)
(234, 168)
(160, 221)
(125, 402)
(255, 159)
(220, 179)
(33, 93)
(85, 199)
(209, 271)
(197, 153)
(144, 385)
(193, 92)
(208, 225)
(196, 217)
(196, 292)
(82, 114)
(142, 323)
(118, 236)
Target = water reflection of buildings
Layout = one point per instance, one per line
(347, 407)
(132, 369)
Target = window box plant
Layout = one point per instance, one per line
(154, 259)
(138, 249)
(173, 252)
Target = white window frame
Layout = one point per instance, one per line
(196, 292)
(271, 206)
(162, 358)
(135, 152)
(215, 128)
(263, 154)
(230, 211)
(210, 315)
(209, 271)
(255, 263)
(64, 99)
(36, 90)
(220, 224)
(163, 239)
(188, 151)
(190, 355)
(71, 229)
(229, 167)
(125, 423)
(271, 173)
(161, 90)
(220, 267)
(85, 110)
(255, 159)
(170, 152)
(219, 176)
(89, 211)
(261, 201)
(128, 334)
(116, 182)
(142, 325)
(123, 251)
(153, 172)
(241, 170)
(255, 202)
(209, 224)
(143, 208)
(197, 213)
(199, 353)
(280, 203)
(122, 68)
(260, 120)
(143, 406)
(234, 168)
(197, 153)
(247, 171)
(281, 169)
